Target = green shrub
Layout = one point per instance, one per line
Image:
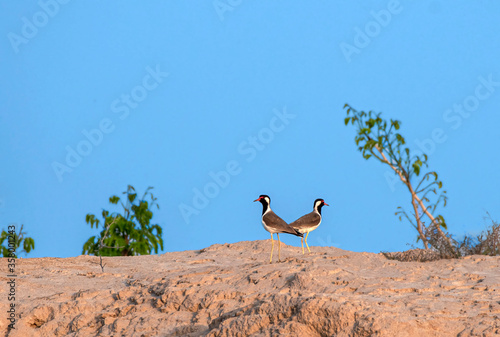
(127, 234)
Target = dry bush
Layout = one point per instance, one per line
(445, 248)
(414, 255)
(486, 243)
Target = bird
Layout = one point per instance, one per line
(309, 222)
(274, 224)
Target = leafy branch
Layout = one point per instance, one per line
(379, 138)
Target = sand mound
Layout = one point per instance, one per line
(231, 290)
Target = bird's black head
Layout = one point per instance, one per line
(265, 201)
(318, 204)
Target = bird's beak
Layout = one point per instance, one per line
(324, 203)
(258, 199)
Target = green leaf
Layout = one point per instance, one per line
(346, 120)
(28, 245)
(114, 199)
(416, 168)
(442, 223)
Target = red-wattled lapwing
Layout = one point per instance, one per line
(274, 224)
(309, 222)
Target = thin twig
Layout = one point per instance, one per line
(101, 244)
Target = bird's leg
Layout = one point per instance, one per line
(272, 248)
(302, 242)
(279, 248)
(306, 242)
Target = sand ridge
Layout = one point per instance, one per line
(232, 290)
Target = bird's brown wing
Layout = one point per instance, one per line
(309, 220)
(274, 221)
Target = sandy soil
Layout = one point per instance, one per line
(232, 290)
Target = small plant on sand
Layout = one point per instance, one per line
(127, 234)
(10, 241)
(380, 139)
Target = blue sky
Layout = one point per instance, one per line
(98, 95)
